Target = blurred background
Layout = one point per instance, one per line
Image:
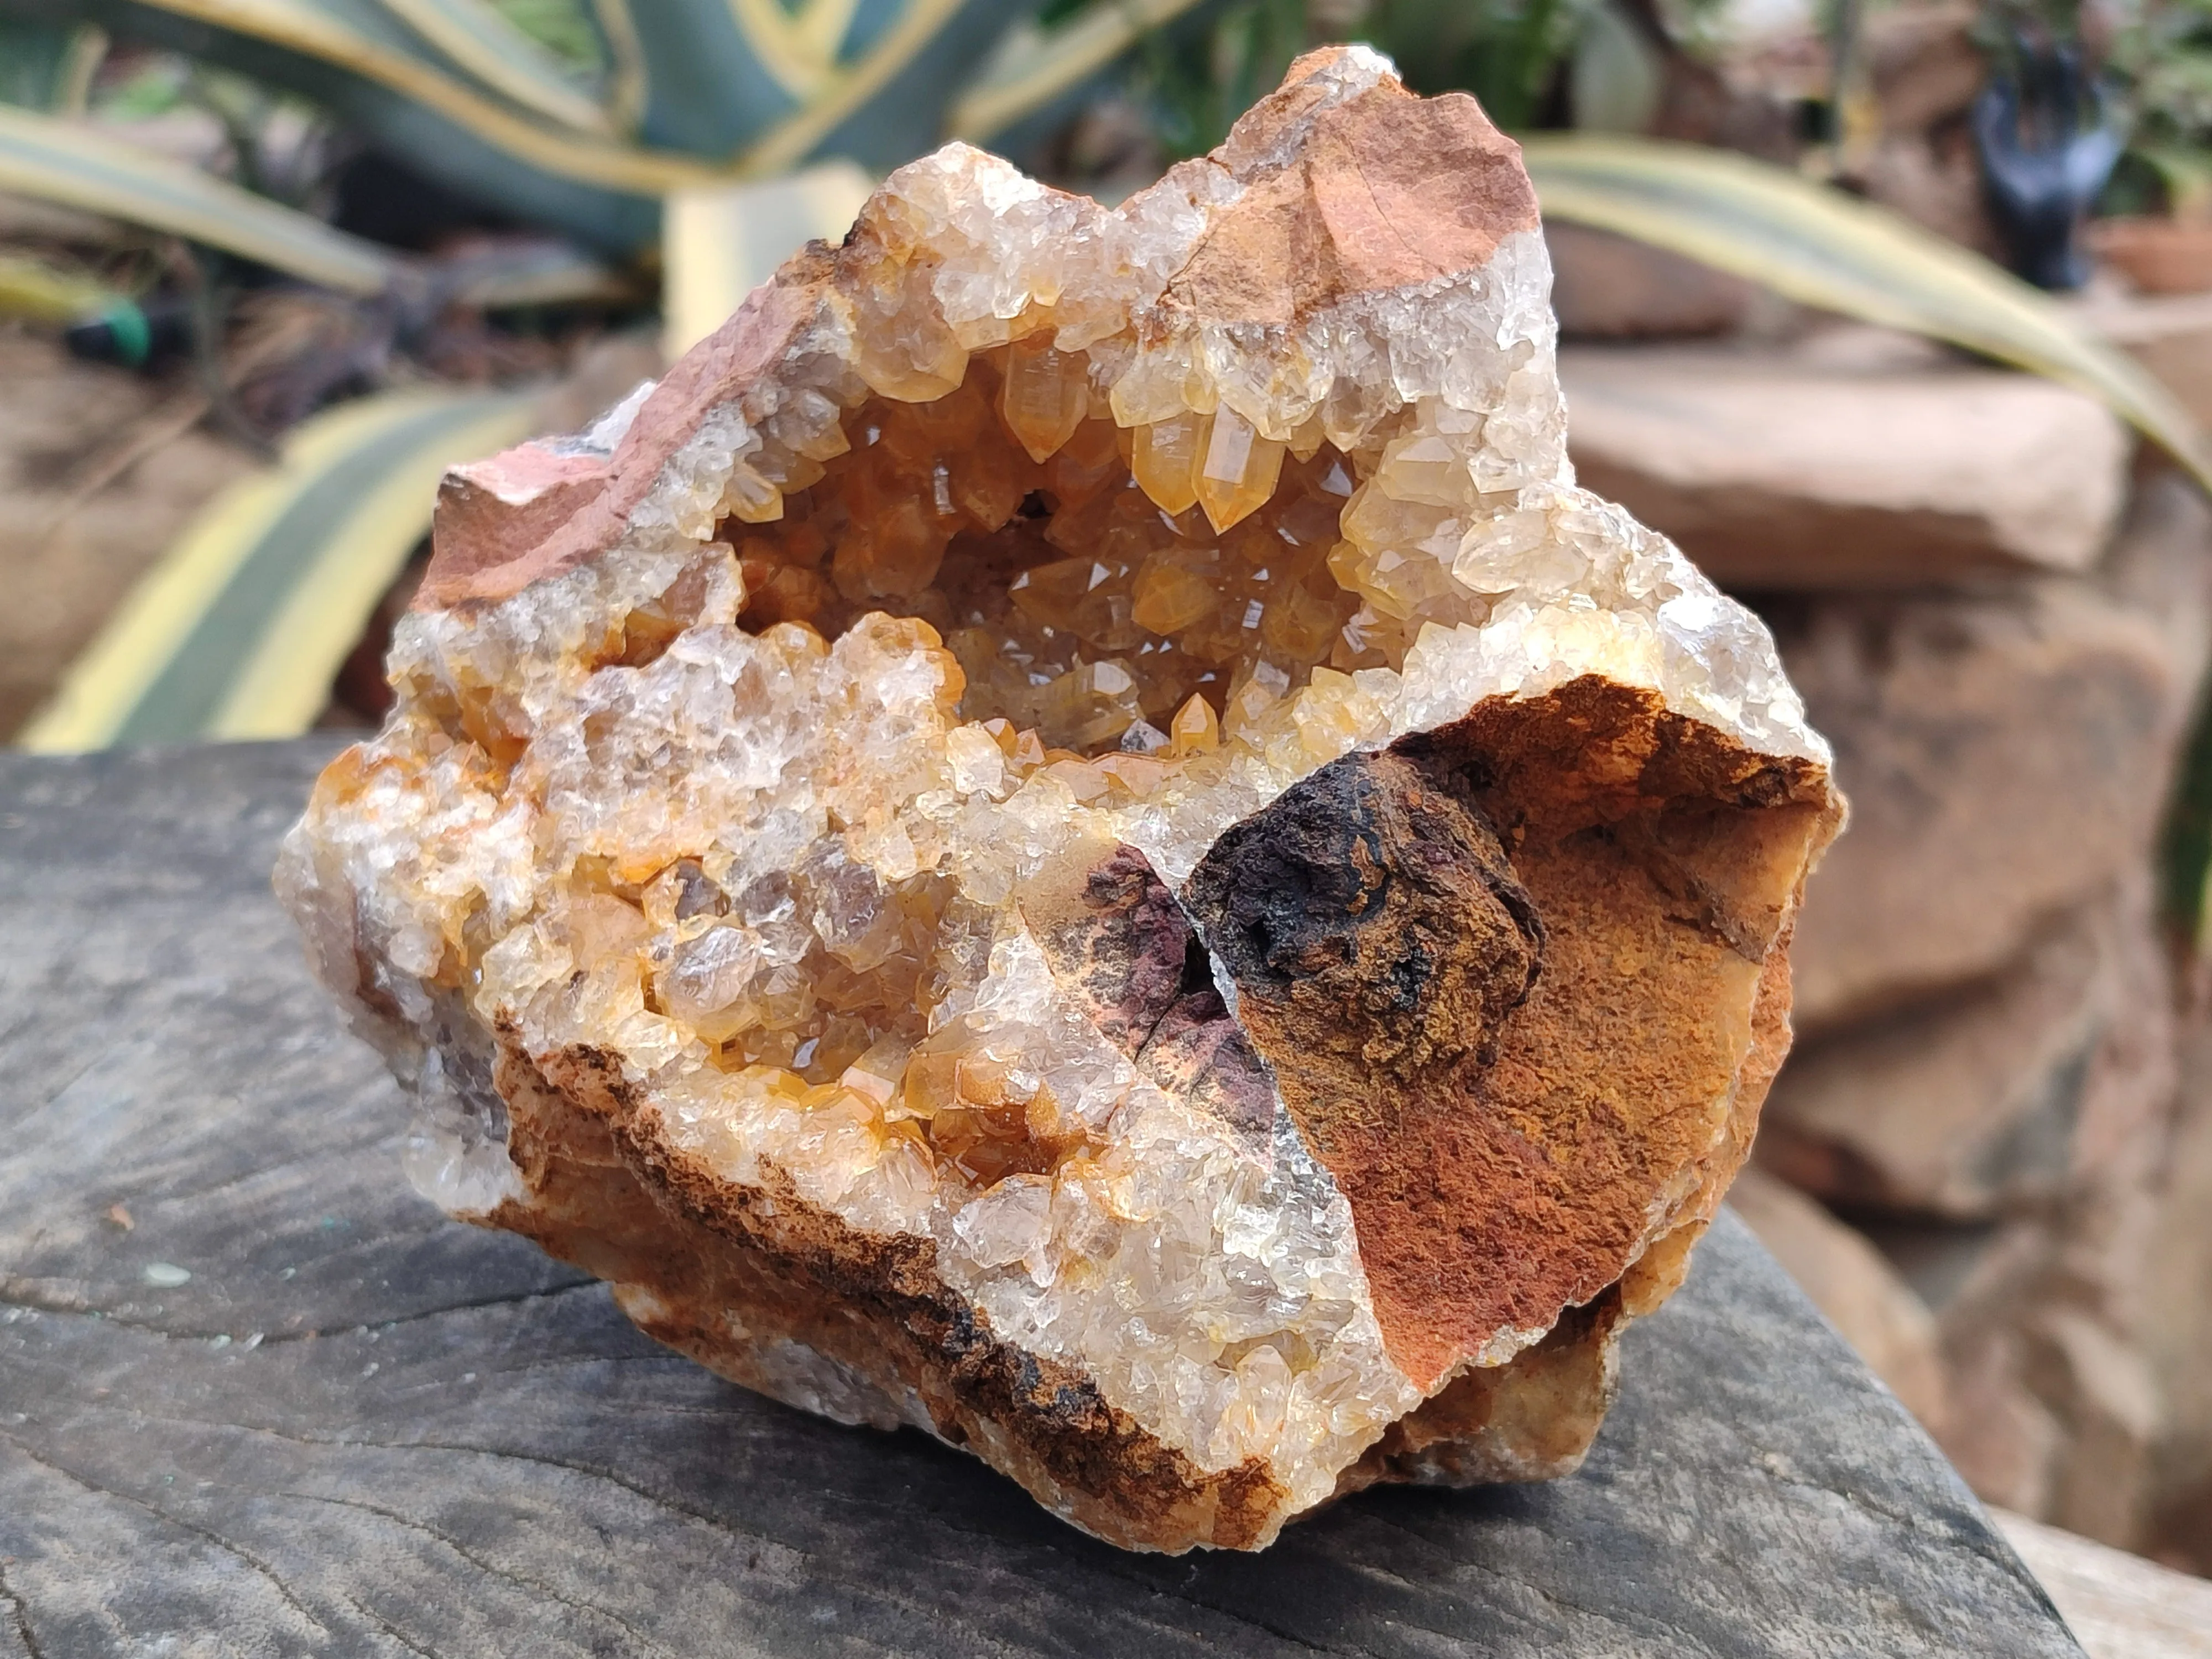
(1897, 315)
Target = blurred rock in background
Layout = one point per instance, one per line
(2000, 615)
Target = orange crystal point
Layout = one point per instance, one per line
(1087, 597)
(1236, 469)
(1195, 730)
(1165, 461)
(897, 552)
(1045, 395)
(988, 486)
(1300, 622)
(1086, 463)
(901, 344)
(1176, 589)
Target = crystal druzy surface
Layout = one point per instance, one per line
(1073, 834)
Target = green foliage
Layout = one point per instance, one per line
(32, 57)
(583, 120)
(2157, 60)
(2164, 58)
(1532, 64)
(1197, 86)
(63, 161)
(566, 29)
(1507, 52)
(2163, 54)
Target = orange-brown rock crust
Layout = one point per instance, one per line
(719, 1272)
(504, 523)
(1492, 969)
(1389, 191)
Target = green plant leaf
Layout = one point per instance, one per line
(1033, 66)
(715, 88)
(278, 40)
(239, 630)
(477, 37)
(382, 79)
(42, 293)
(68, 162)
(1822, 248)
(887, 102)
(47, 65)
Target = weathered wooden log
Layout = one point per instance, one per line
(256, 1397)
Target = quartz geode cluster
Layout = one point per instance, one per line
(1073, 835)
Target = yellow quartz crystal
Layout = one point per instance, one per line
(1166, 460)
(1044, 397)
(1236, 469)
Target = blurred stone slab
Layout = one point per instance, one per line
(1789, 470)
(256, 1397)
(2123, 1607)
(1995, 1097)
(1609, 287)
(2006, 754)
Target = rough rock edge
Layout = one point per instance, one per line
(1424, 984)
(1284, 247)
(721, 1272)
(610, 1194)
(1330, 204)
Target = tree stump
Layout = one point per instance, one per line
(258, 1398)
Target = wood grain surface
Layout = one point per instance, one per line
(258, 1398)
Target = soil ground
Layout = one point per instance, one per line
(71, 545)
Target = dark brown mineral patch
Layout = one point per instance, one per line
(1129, 954)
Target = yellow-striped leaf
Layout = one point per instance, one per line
(720, 243)
(476, 37)
(1033, 66)
(793, 138)
(33, 289)
(799, 49)
(318, 33)
(68, 162)
(239, 630)
(1822, 248)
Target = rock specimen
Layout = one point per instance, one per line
(1073, 835)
